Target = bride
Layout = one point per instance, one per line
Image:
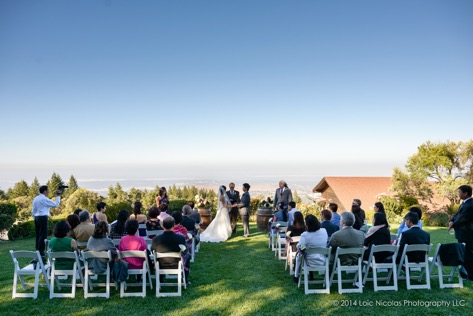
(220, 228)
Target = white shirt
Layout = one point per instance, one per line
(466, 200)
(41, 205)
(290, 216)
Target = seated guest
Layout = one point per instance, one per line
(403, 227)
(99, 242)
(378, 235)
(188, 222)
(297, 228)
(281, 214)
(77, 211)
(362, 212)
(85, 229)
(132, 242)
(356, 211)
(178, 228)
(329, 227)
(346, 237)
(379, 207)
(163, 209)
(117, 229)
(414, 235)
(60, 242)
(333, 207)
(100, 215)
(314, 237)
(73, 221)
(195, 215)
(137, 215)
(291, 209)
(170, 242)
(153, 223)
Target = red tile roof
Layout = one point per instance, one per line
(367, 189)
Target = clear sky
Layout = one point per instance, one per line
(339, 87)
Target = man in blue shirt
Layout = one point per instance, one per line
(335, 216)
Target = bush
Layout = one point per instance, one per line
(27, 229)
(439, 219)
(176, 205)
(8, 213)
(113, 210)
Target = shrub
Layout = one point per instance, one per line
(23, 204)
(27, 229)
(113, 210)
(8, 213)
(176, 205)
(439, 219)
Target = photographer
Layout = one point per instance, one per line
(40, 211)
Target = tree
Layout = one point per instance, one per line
(116, 194)
(20, 188)
(23, 206)
(34, 187)
(296, 197)
(72, 186)
(135, 195)
(3, 196)
(7, 215)
(467, 160)
(54, 183)
(83, 199)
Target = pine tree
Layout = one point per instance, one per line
(296, 197)
(54, 183)
(20, 188)
(34, 187)
(122, 196)
(3, 196)
(73, 186)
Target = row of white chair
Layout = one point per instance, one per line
(53, 276)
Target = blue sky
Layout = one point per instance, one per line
(347, 87)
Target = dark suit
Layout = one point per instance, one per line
(188, 223)
(169, 242)
(413, 236)
(463, 225)
(329, 227)
(244, 209)
(234, 198)
(285, 197)
(381, 237)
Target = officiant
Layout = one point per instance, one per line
(283, 194)
(234, 197)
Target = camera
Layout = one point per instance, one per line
(60, 189)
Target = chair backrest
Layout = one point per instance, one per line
(318, 250)
(282, 229)
(167, 255)
(62, 254)
(154, 232)
(295, 239)
(384, 248)
(97, 254)
(133, 254)
(142, 226)
(23, 254)
(81, 243)
(418, 247)
(350, 251)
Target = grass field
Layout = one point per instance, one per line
(239, 277)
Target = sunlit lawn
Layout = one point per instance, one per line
(239, 277)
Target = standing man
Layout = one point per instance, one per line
(244, 208)
(234, 197)
(462, 222)
(40, 211)
(283, 194)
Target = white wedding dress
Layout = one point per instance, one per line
(220, 228)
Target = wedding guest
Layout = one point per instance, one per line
(61, 242)
(178, 228)
(191, 204)
(100, 215)
(333, 207)
(358, 202)
(163, 212)
(132, 242)
(356, 211)
(85, 229)
(329, 226)
(162, 197)
(117, 229)
(41, 206)
(403, 227)
(188, 222)
(99, 242)
(283, 194)
(297, 228)
(378, 235)
(291, 209)
(195, 215)
(77, 211)
(413, 236)
(153, 223)
(170, 242)
(379, 207)
(73, 221)
(281, 214)
(314, 237)
(137, 214)
(346, 237)
(462, 222)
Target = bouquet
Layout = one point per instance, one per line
(266, 203)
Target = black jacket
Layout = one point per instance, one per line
(168, 242)
(463, 222)
(413, 236)
(188, 223)
(381, 237)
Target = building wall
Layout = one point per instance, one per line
(330, 196)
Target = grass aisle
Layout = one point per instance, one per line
(238, 277)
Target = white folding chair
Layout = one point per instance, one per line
(81, 244)
(377, 267)
(291, 255)
(143, 271)
(322, 270)
(338, 268)
(37, 270)
(422, 267)
(281, 243)
(394, 239)
(435, 261)
(107, 255)
(56, 274)
(152, 233)
(178, 273)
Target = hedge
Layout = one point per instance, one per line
(27, 229)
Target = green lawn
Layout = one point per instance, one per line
(238, 277)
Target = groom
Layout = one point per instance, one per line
(244, 209)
